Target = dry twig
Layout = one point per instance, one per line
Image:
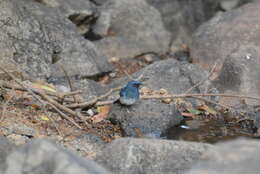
(69, 81)
(94, 101)
(212, 102)
(55, 105)
(198, 95)
(203, 80)
(59, 95)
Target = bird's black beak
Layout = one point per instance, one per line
(138, 85)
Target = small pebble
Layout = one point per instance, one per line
(145, 90)
(112, 74)
(184, 127)
(90, 112)
(148, 58)
(113, 59)
(63, 88)
(167, 100)
(163, 91)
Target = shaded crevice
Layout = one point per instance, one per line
(95, 2)
(84, 24)
(39, 1)
(96, 77)
(145, 53)
(91, 36)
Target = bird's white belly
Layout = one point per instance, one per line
(125, 101)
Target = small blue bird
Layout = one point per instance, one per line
(130, 93)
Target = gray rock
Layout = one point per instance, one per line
(89, 88)
(131, 156)
(34, 36)
(174, 76)
(231, 4)
(18, 139)
(182, 17)
(41, 156)
(77, 7)
(20, 129)
(240, 73)
(5, 148)
(152, 116)
(80, 12)
(87, 145)
(240, 156)
(99, 2)
(236, 49)
(148, 117)
(257, 121)
(130, 28)
(49, 3)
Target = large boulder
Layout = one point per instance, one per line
(131, 156)
(236, 49)
(240, 156)
(153, 116)
(33, 36)
(130, 28)
(41, 156)
(6, 147)
(182, 17)
(80, 12)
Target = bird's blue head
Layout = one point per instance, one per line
(130, 94)
(134, 83)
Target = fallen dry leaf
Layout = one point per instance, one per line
(138, 132)
(194, 111)
(44, 118)
(104, 80)
(187, 114)
(167, 100)
(163, 91)
(102, 114)
(257, 108)
(207, 109)
(43, 87)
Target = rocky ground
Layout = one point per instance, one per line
(206, 52)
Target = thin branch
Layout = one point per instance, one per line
(94, 101)
(102, 103)
(52, 103)
(109, 102)
(198, 95)
(203, 80)
(23, 85)
(55, 105)
(56, 126)
(128, 75)
(141, 76)
(212, 102)
(69, 81)
(72, 93)
(60, 95)
(65, 116)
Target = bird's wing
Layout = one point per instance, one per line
(123, 92)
